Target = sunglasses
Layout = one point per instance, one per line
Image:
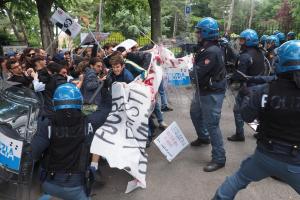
(30, 55)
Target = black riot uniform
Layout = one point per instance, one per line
(250, 64)
(277, 107)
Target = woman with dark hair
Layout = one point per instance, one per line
(28, 53)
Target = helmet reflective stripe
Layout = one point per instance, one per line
(67, 96)
(288, 57)
(208, 28)
(250, 36)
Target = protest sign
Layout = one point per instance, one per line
(178, 77)
(87, 38)
(10, 153)
(66, 23)
(171, 142)
(127, 44)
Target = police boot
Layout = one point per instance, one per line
(236, 138)
(199, 141)
(213, 166)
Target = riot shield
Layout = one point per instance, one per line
(19, 109)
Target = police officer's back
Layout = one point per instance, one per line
(250, 64)
(64, 146)
(276, 106)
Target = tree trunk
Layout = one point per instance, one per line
(47, 35)
(13, 24)
(24, 32)
(155, 20)
(230, 16)
(175, 25)
(251, 13)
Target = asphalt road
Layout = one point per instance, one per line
(183, 178)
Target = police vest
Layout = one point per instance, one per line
(69, 147)
(258, 64)
(279, 118)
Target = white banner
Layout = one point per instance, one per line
(171, 142)
(122, 139)
(66, 23)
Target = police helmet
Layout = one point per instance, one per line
(276, 32)
(223, 41)
(208, 28)
(291, 35)
(67, 96)
(263, 39)
(281, 37)
(288, 57)
(273, 38)
(250, 36)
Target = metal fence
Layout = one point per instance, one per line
(269, 29)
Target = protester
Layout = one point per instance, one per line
(18, 75)
(92, 81)
(28, 53)
(120, 73)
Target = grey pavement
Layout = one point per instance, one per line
(183, 178)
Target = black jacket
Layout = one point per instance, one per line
(209, 68)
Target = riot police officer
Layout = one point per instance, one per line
(64, 147)
(250, 63)
(272, 43)
(281, 37)
(209, 71)
(276, 105)
(262, 41)
(291, 35)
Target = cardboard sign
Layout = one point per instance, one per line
(171, 142)
(10, 153)
(87, 38)
(66, 23)
(127, 44)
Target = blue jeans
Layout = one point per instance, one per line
(211, 111)
(158, 113)
(163, 95)
(239, 122)
(65, 193)
(197, 119)
(208, 112)
(255, 168)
